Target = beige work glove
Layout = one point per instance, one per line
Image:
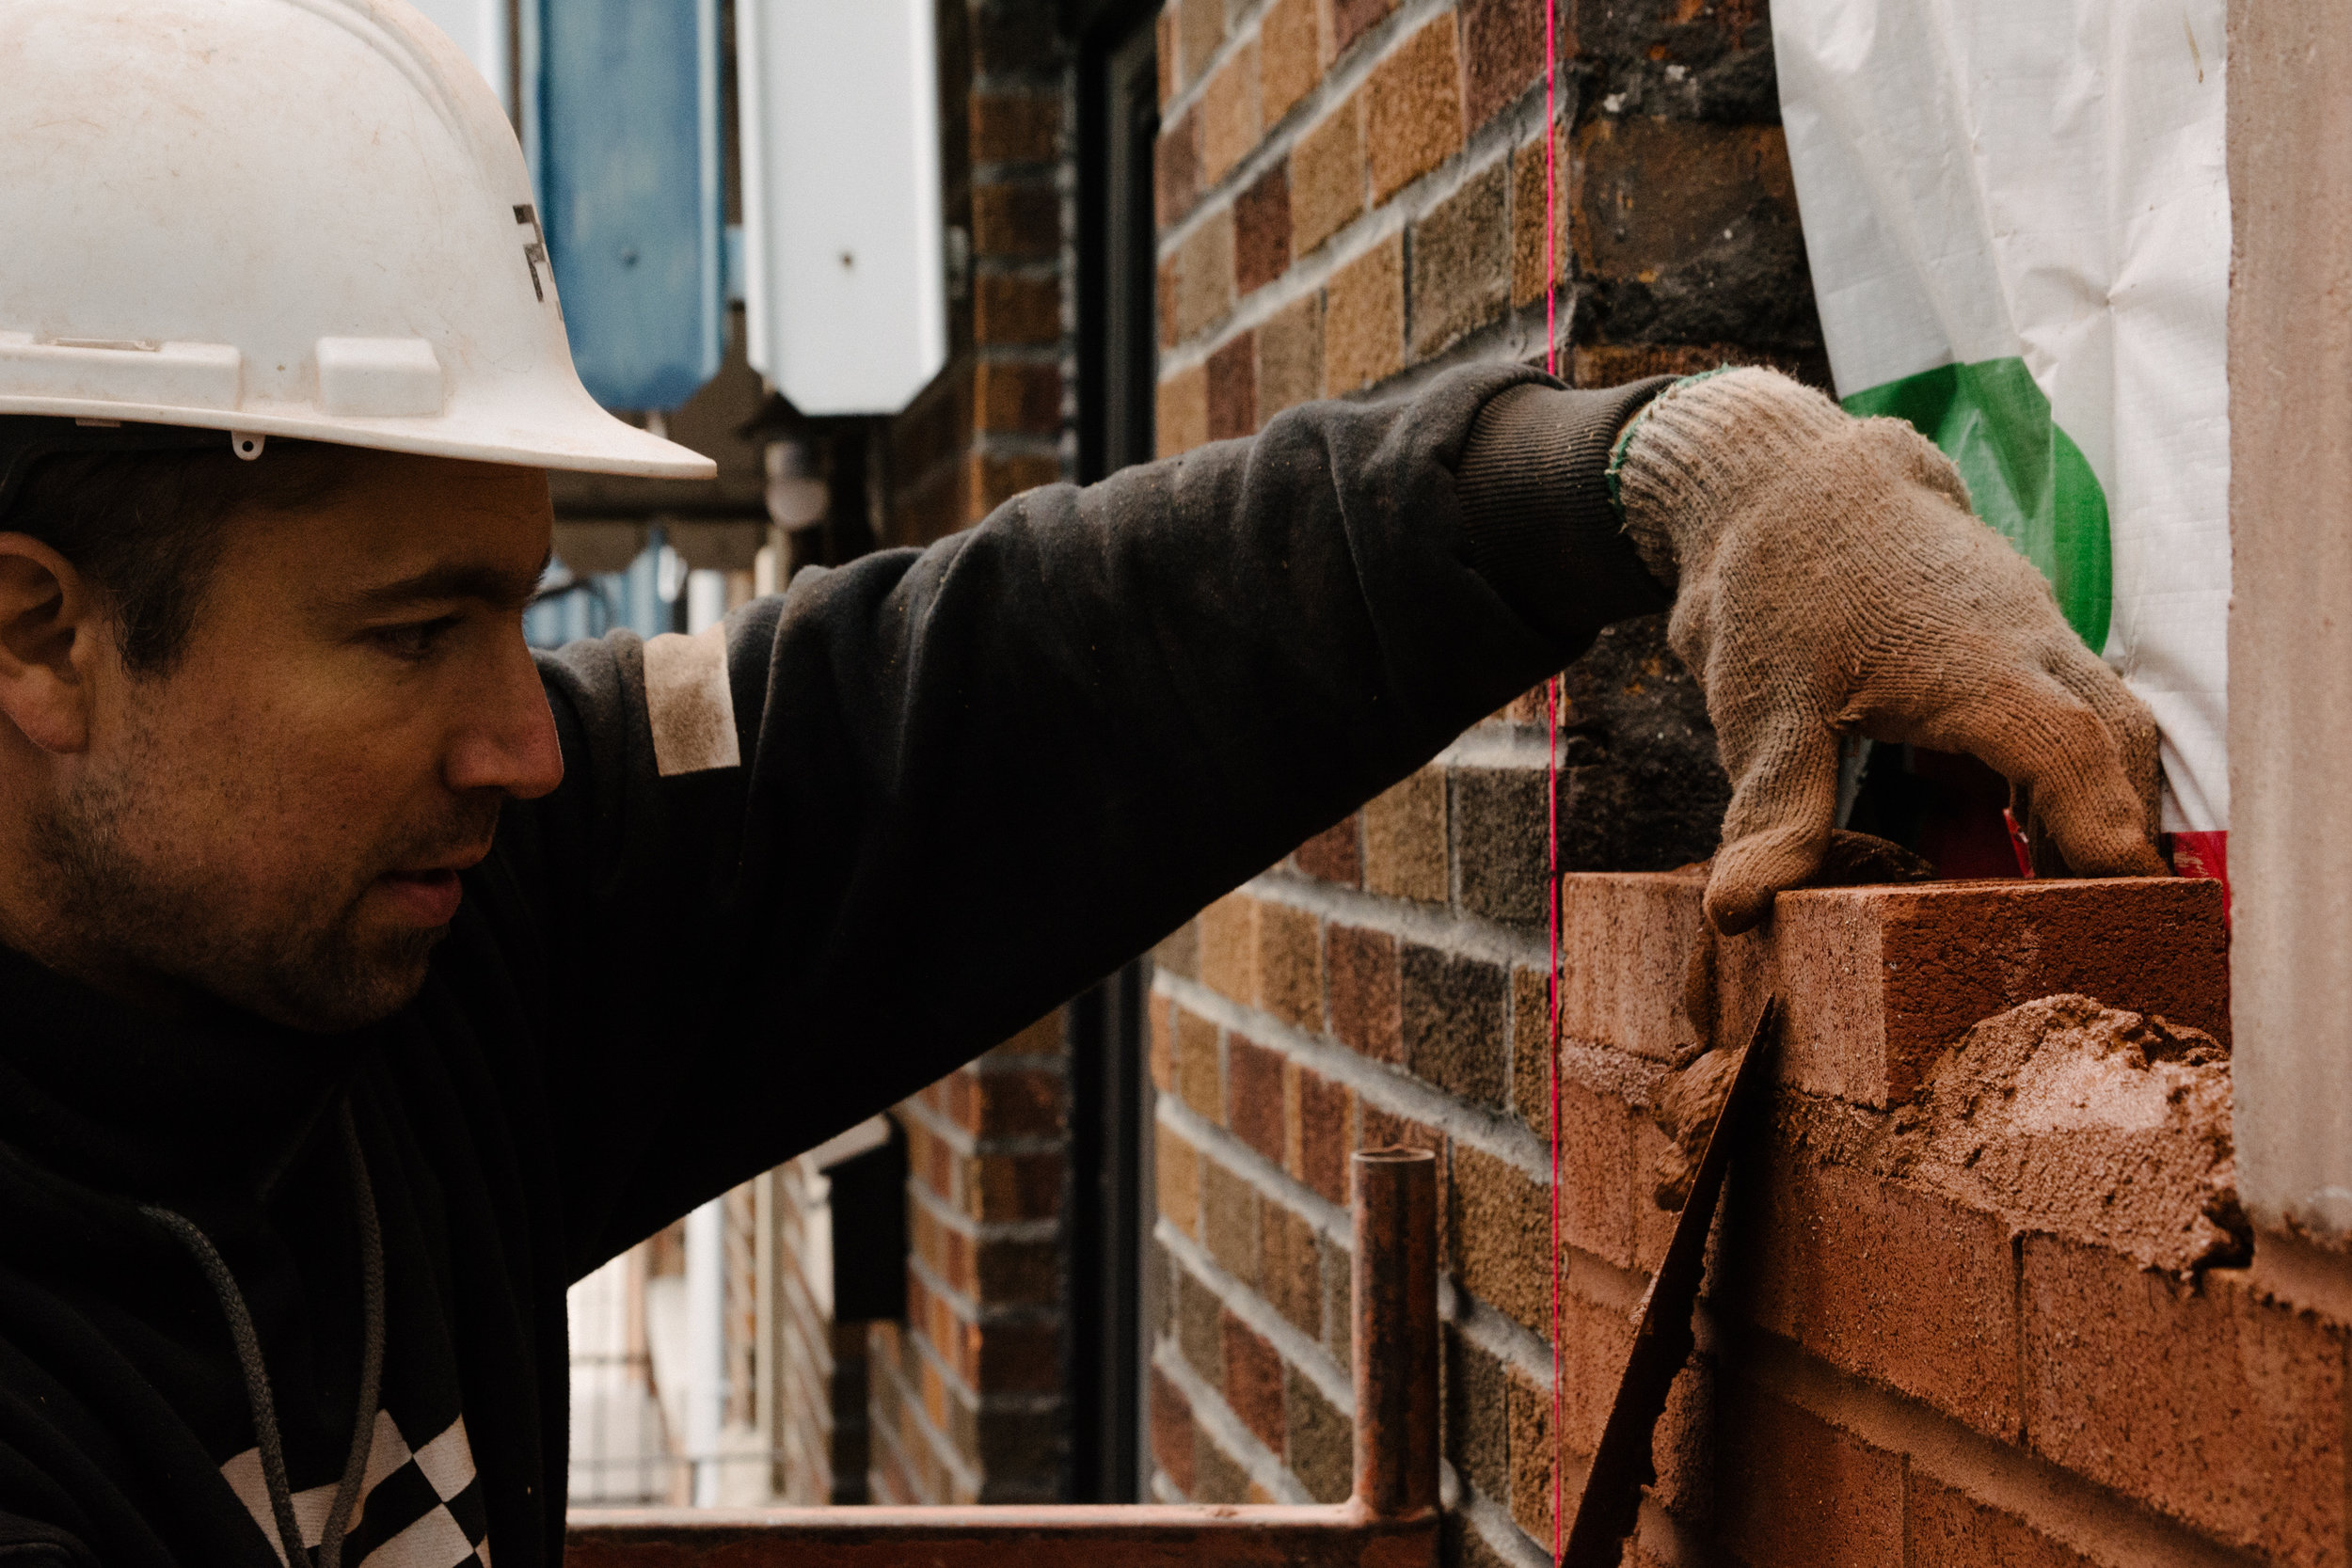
(1828, 578)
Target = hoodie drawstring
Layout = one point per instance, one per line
(257, 1392)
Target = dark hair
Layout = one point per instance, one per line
(146, 527)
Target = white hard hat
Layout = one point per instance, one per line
(282, 217)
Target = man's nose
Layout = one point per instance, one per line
(509, 741)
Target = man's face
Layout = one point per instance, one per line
(279, 820)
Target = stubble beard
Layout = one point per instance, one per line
(309, 967)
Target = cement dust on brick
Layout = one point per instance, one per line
(2084, 1121)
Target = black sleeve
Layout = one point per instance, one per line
(957, 784)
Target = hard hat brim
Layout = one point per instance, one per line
(587, 441)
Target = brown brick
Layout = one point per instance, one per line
(1291, 40)
(1232, 113)
(1798, 1492)
(1014, 128)
(1945, 1527)
(1011, 311)
(1503, 50)
(1290, 965)
(1413, 117)
(1453, 1012)
(1184, 412)
(1229, 1221)
(1460, 263)
(1327, 176)
(1262, 230)
(1629, 220)
(1165, 53)
(1528, 217)
(1019, 1358)
(1501, 1225)
(1530, 1492)
(1197, 1313)
(1229, 947)
(1253, 1380)
(1335, 854)
(1531, 1051)
(1176, 170)
(1005, 1272)
(1204, 276)
(1017, 1104)
(1366, 1013)
(1616, 364)
(1339, 1299)
(1886, 1281)
(996, 477)
(1021, 220)
(1325, 1127)
(1162, 1052)
(1352, 19)
(1198, 1077)
(1320, 1443)
(1475, 1416)
(1253, 1080)
(1172, 1432)
(1234, 388)
(1018, 1187)
(2211, 1405)
(1404, 839)
(1176, 1171)
(1221, 1478)
(1201, 26)
(1179, 952)
(1016, 398)
(1291, 1264)
(1363, 330)
(1290, 357)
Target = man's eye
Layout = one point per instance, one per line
(412, 640)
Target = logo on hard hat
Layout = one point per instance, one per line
(535, 253)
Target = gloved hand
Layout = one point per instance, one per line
(1828, 579)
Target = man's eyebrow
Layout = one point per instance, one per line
(491, 585)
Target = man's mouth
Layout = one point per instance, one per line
(428, 896)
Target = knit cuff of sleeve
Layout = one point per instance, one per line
(1543, 528)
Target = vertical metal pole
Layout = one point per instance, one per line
(1395, 1339)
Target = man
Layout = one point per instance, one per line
(363, 983)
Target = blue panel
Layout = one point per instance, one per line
(624, 111)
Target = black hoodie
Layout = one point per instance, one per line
(797, 869)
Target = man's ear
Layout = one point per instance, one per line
(53, 637)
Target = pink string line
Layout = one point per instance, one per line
(1552, 799)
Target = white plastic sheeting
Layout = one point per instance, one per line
(1987, 182)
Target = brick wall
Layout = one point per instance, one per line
(967, 1393)
(821, 1432)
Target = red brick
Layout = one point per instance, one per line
(996, 479)
(1461, 263)
(1184, 412)
(1262, 230)
(1016, 1104)
(1017, 399)
(1171, 1431)
(1232, 115)
(1229, 1221)
(1798, 1492)
(1291, 40)
(2212, 1405)
(1326, 1126)
(1596, 1175)
(1006, 1273)
(1176, 170)
(1017, 1187)
(1502, 48)
(1019, 1358)
(1327, 176)
(1414, 109)
(1253, 1086)
(1885, 1281)
(1198, 1078)
(1016, 310)
(1290, 357)
(1351, 19)
(1366, 1012)
(1021, 220)
(1229, 947)
(1234, 388)
(1253, 1381)
(1628, 220)
(1014, 128)
(1335, 854)
(1290, 965)
(1363, 323)
(1945, 1527)
(1292, 1266)
(1176, 1172)
(1404, 848)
